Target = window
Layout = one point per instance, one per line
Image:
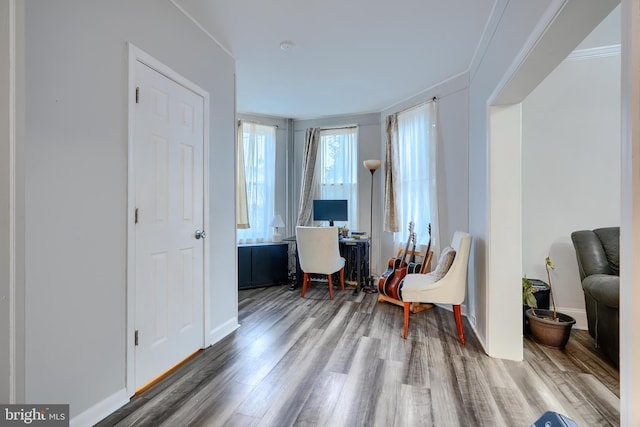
(416, 132)
(337, 171)
(259, 148)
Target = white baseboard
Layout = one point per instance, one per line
(578, 314)
(216, 334)
(112, 403)
(100, 410)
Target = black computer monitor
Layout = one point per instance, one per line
(330, 210)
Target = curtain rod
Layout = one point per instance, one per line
(434, 99)
(339, 127)
(257, 123)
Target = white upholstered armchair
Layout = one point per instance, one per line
(448, 289)
(318, 253)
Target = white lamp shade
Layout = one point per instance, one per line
(372, 165)
(277, 221)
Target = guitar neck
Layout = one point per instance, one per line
(406, 253)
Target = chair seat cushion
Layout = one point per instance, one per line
(410, 290)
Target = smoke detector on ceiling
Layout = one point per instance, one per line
(286, 45)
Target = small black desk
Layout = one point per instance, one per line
(356, 255)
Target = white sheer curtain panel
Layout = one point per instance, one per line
(337, 163)
(417, 187)
(260, 159)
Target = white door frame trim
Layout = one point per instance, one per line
(138, 55)
(630, 215)
(12, 205)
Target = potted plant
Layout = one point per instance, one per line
(535, 294)
(548, 327)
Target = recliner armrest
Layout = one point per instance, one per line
(604, 288)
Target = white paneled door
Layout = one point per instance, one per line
(168, 135)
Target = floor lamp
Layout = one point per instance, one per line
(372, 166)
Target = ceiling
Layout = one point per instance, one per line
(344, 57)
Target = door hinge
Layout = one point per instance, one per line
(135, 338)
(135, 220)
(137, 95)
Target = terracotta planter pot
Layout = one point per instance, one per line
(548, 332)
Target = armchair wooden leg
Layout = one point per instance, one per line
(305, 279)
(330, 287)
(458, 316)
(342, 278)
(406, 319)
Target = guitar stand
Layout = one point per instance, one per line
(414, 307)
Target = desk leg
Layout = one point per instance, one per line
(298, 279)
(358, 270)
(370, 287)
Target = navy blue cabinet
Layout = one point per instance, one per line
(262, 264)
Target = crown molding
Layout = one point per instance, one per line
(595, 52)
(201, 27)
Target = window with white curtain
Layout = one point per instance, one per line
(259, 143)
(337, 169)
(416, 138)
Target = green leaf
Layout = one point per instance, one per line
(530, 300)
(527, 293)
(549, 263)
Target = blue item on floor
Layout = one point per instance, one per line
(554, 419)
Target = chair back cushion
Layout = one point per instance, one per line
(597, 251)
(444, 262)
(318, 250)
(610, 239)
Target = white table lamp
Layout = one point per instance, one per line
(276, 222)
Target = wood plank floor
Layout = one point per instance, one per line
(316, 362)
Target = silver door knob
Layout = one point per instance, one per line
(200, 234)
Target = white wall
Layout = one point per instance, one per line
(5, 296)
(504, 258)
(528, 42)
(515, 26)
(76, 187)
(570, 169)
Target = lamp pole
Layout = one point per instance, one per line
(372, 166)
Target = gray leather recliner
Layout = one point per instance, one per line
(598, 254)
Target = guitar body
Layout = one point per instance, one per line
(392, 265)
(414, 268)
(394, 284)
(389, 281)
